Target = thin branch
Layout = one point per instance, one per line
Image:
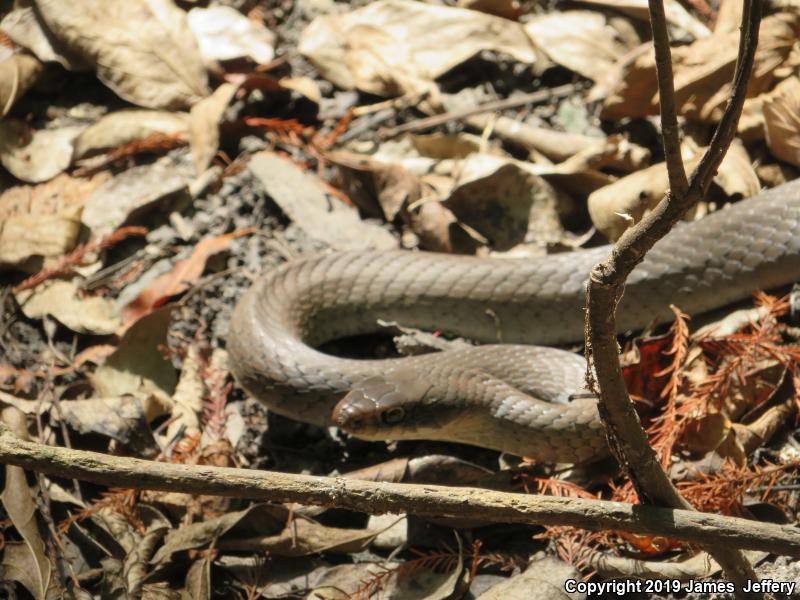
(494, 105)
(627, 439)
(678, 183)
(378, 497)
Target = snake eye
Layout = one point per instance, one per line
(393, 415)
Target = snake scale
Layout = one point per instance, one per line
(508, 396)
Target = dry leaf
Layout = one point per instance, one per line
(62, 301)
(677, 16)
(621, 204)
(223, 33)
(23, 26)
(132, 193)
(179, 279)
(187, 401)
(125, 126)
(390, 47)
(17, 73)
(30, 563)
(25, 236)
(206, 117)
(35, 155)
(580, 40)
(504, 203)
(139, 366)
(122, 419)
(782, 121)
(301, 537)
(378, 188)
(155, 64)
(257, 520)
(304, 200)
(542, 580)
(703, 72)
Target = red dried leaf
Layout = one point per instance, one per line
(179, 279)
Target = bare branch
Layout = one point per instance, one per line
(378, 497)
(678, 183)
(627, 439)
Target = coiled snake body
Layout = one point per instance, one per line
(505, 396)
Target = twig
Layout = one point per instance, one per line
(379, 497)
(495, 105)
(606, 283)
(666, 86)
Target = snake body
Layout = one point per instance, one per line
(511, 397)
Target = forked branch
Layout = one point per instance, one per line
(607, 280)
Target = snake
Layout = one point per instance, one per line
(516, 391)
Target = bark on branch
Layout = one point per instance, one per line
(607, 280)
(377, 497)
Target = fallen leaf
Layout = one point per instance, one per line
(23, 26)
(126, 126)
(703, 72)
(132, 194)
(258, 519)
(139, 366)
(676, 14)
(30, 563)
(206, 117)
(187, 401)
(155, 64)
(617, 206)
(301, 537)
(377, 187)
(62, 300)
(542, 580)
(35, 155)
(17, 74)
(782, 121)
(504, 203)
(390, 47)
(198, 579)
(305, 201)
(23, 237)
(223, 33)
(583, 41)
(179, 279)
(121, 419)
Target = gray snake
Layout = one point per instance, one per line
(517, 398)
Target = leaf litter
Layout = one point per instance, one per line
(152, 169)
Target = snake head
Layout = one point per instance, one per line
(384, 407)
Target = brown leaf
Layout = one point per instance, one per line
(35, 155)
(304, 199)
(31, 563)
(133, 193)
(138, 365)
(17, 73)
(703, 72)
(302, 537)
(583, 41)
(62, 300)
(782, 121)
(377, 187)
(23, 237)
(126, 126)
(155, 64)
(180, 278)
(259, 519)
(391, 47)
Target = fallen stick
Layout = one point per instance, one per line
(379, 497)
